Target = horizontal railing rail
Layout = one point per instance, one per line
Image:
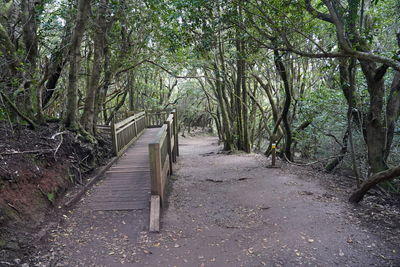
(104, 128)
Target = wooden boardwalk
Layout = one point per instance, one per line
(127, 183)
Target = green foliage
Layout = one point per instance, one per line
(51, 196)
(3, 114)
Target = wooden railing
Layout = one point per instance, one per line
(106, 129)
(162, 153)
(156, 118)
(163, 150)
(125, 132)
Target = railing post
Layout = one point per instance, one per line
(169, 145)
(173, 133)
(155, 169)
(176, 145)
(136, 132)
(114, 137)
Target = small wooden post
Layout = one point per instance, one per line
(176, 132)
(273, 154)
(114, 137)
(173, 134)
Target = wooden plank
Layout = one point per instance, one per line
(120, 206)
(164, 176)
(122, 198)
(176, 132)
(126, 167)
(128, 171)
(140, 192)
(169, 144)
(113, 189)
(161, 134)
(154, 225)
(117, 201)
(155, 167)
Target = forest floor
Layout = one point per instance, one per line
(230, 210)
(37, 168)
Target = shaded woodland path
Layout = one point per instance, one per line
(224, 210)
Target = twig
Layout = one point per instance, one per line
(335, 138)
(59, 145)
(309, 163)
(14, 208)
(57, 148)
(56, 134)
(79, 172)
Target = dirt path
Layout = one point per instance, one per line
(225, 210)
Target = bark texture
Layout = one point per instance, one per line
(71, 111)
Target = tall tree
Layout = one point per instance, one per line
(71, 109)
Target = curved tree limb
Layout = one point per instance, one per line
(31, 123)
(375, 179)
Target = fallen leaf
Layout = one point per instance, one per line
(341, 254)
(147, 251)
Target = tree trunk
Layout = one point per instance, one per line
(87, 119)
(375, 126)
(392, 111)
(244, 102)
(101, 95)
(285, 112)
(29, 30)
(238, 110)
(228, 138)
(57, 62)
(71, 109)
(393, 106)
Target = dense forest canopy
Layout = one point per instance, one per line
(321, 78)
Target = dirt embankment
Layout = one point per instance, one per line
(36, 169)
